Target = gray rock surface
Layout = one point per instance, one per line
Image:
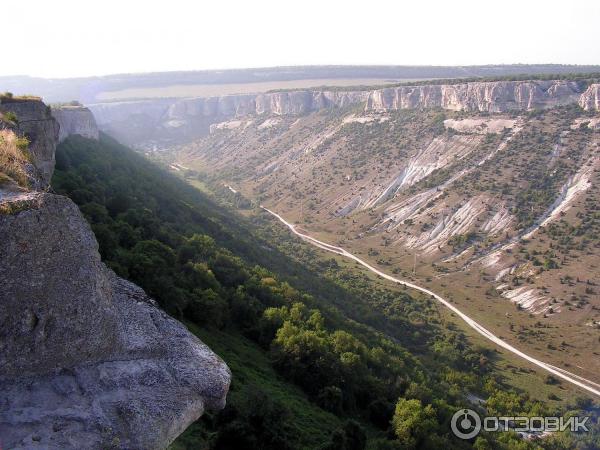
(87, 360)
(75, 120)
(36, 122)
(49, 255)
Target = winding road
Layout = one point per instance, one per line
(583, 383)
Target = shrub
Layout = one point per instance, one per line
(10, 117)
(13, 157)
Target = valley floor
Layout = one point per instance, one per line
(581, 382)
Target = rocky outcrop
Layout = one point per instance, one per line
(75, 120)
(87, 360)
(499, 96)
(277, 103)
(149, 121)
(590, 99)
(188, 118)
(34, 120)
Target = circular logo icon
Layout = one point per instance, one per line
(465, 424)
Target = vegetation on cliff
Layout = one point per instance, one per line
(14, 158)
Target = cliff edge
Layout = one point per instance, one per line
(75, 119)
(87, 360)
(32, 119)
(152, 123)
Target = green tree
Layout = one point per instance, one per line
(412, 422)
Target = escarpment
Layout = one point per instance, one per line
(87, 360)
(590, 99)
(145, 123)
(500, 96)
(277, 103)
(33, 119)
(166, 120)
(75, 120)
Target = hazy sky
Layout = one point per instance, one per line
(64, 38)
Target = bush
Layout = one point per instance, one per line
(14, 157)
(10, 117)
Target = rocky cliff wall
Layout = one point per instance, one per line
(500, 96)
(278, 103)
(87, 360)
(168, 120)
(75, 120)
(148, 122)
(590, 99)
(34, 120)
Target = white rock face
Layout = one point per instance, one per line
(277, 103)
(592, 124)
(75, 120)
(590, 99)
(229, 125)
(185, 119)
(480, 125)
(497, 96)
(527, 298)
(441, 152)
(121, 112)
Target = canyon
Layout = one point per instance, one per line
(478, 194)
(467, 188)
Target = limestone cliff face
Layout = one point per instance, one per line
(151, 121)
(500, 96)
(180, 120)
(278, 103)
(590, 99)
(35, 121)
(87, 360)
(75, 120)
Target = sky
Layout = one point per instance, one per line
(69, 38)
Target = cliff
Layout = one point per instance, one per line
(34, 121)
(148, 123)
(500, 96)
(87, 360)
(171, 112)
(278, 103)
(145, 123)
(75, 120)
(590, 99)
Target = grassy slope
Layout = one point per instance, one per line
(252, 371)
